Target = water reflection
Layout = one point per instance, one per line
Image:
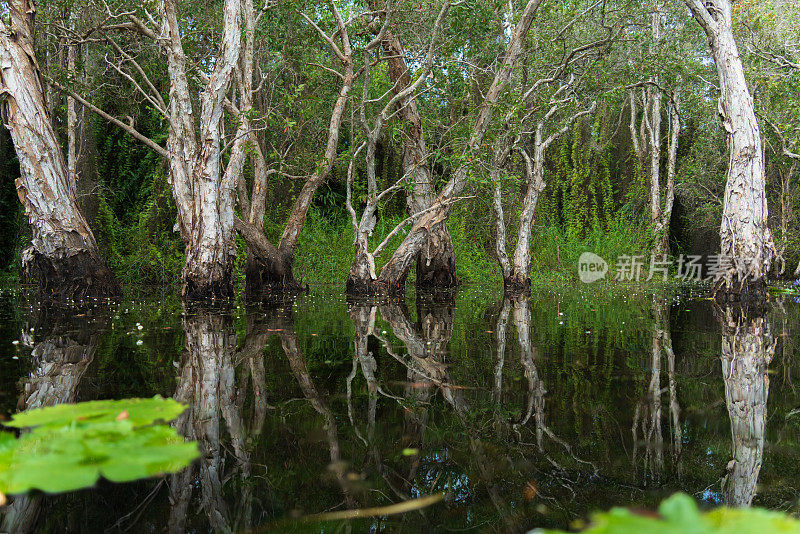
(747, 350)
(524, 412)
(62, 351)
(647, 419)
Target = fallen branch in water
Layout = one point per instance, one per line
(399, 508)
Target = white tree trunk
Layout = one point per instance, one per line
(203, 195)
(516, 271)
(746, 239)
(63, 252)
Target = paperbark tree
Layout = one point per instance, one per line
(543, 113)
(362, 278)
(63, 252)
(746, 241)
(648, 141)
(269, 267)
(650, 144)
(516, 270)
(436, 260)
(204, 196)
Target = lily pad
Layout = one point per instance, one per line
(137, 411)
(71, 449)
(679, 515)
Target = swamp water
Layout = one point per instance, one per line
(522, 414)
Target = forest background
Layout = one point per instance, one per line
(597, 191)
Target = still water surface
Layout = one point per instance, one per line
(525, 413)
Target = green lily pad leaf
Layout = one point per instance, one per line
(750, 521)
(681, 510)
(137, 411)
(56, 458)
(679, 515)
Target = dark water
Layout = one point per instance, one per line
(527, 413)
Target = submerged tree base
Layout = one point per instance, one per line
(266, 274)
(197, 287)
(369, 287)
(436, 264)
(517, 285)
(439, 277)
(364, 287)
(744, 290)
(80, 275)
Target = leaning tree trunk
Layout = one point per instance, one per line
(746, 241)
(270, 268)
(63, 252)
(436, 260)
(393, 275)
(747, 349)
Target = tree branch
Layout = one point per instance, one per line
(126, 127)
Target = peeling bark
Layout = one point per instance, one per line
(204, 196)
(745, 237)
(436, 260)
(63, 252)
(747, 350)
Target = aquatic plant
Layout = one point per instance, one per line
(679, 514)
(69, 446)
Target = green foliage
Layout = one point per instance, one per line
(555, 251)
(70, 446)
(679, 514)
(580, 197)
(146, 251)
(11, 216)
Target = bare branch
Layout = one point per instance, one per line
(327, 38)
(161, 151)
(786, 151)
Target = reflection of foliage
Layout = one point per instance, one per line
(595, 368)
(71, 445)
(679, 514)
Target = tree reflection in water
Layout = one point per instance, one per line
(747, 350)
(647, 416)
(519, 421)
(64, 343)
